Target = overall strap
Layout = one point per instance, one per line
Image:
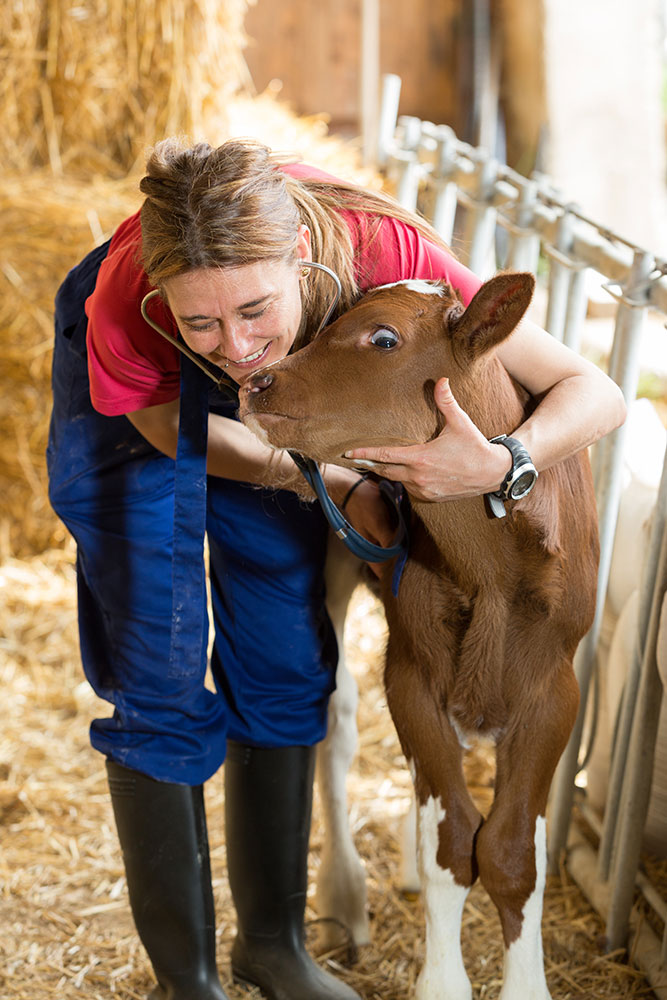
(188, 623)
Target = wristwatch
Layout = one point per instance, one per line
(520, 479)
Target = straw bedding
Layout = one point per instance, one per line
(67, 931)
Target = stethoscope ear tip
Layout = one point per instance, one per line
(339, 290)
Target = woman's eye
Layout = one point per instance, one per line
(384, 338)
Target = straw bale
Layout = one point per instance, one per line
(48, 224)
(80, 79)
(67, 929)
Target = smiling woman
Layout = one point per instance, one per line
(232, 239)
(244, 317)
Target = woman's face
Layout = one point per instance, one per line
(240, 318)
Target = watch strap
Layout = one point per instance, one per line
(520, 457)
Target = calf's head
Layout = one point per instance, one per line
(368, 379)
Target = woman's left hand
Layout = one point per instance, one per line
(459, 463)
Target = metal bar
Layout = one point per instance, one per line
(369, 77)
(403, 162)
(524, 247)
(559, 278)
(444, 188)
(646, 887)
(408, 173)
(480, 219)
(465, 150)
(576, 310)
(389, 101)
(593, 245)
(652, 897)
(627, 712)
(638, 773)
(625, 371)
(645, 944)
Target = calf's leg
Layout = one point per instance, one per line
(511, 846)
(447, 825)
(341, 880)
(408, 877)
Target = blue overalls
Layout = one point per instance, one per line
(138, 519)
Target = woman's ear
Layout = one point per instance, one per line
(303, 250)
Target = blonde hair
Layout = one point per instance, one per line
(232, 205)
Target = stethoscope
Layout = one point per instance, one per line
(392, 492)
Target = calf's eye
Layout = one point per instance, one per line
(384, 338)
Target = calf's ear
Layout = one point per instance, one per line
(492, 314)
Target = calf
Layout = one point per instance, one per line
(488, 612)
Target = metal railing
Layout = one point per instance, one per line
(456, 185)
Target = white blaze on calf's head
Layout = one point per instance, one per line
(420, 285)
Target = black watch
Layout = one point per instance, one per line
(520, 479)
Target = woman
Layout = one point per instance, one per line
(227, 235)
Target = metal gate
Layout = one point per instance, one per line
(505, 219)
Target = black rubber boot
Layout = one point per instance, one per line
(162, 832)
(268, 801)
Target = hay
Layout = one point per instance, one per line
(67, 930)
(89, 84)
(47, 226)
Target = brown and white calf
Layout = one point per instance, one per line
(489, 611)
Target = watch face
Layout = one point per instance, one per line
(523, 484)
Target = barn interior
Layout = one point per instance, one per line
(85, 89)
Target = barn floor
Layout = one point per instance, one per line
(67, 930)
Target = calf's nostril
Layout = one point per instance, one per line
(258, 383)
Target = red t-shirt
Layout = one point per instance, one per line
(131, 366)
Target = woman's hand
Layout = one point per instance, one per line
(459, 463)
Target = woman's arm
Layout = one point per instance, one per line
(235, 453)
(580, 405)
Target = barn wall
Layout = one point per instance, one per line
(580, 82)
(606, 124)
(314, 50)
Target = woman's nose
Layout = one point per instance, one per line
(237, 342)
